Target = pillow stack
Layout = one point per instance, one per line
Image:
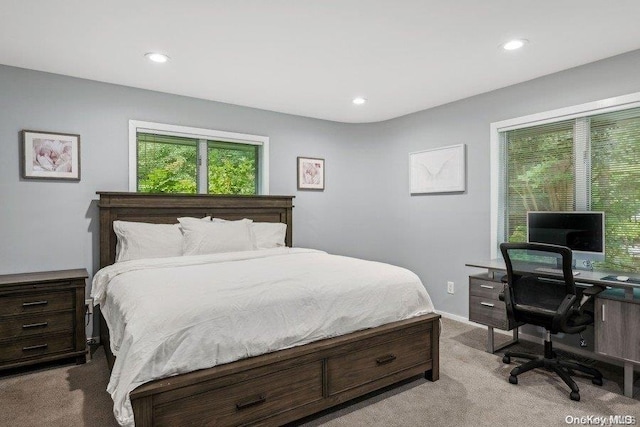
(214, 237)
(194, 236)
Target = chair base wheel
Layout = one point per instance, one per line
(597, 381)
(574, 395)
(506, 359)
(514, 380)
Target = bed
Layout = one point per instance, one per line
(267, 387)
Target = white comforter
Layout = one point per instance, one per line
(175, 315)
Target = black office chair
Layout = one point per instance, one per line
(536, 294)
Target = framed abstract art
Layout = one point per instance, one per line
(438, 170)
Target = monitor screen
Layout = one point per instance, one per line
(582, 232)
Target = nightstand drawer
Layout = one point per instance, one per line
(485, 288)
(24, 326)
(36, 302)
(488, 312)
(35, 347)
(42, 317)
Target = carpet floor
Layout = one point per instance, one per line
(472, 391)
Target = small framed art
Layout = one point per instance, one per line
(50, 155)
(310, 174)
(438, 170)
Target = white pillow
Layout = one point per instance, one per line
(230, 220)
(138, 240)
(267, 235)
(190, 218)
(200, 237)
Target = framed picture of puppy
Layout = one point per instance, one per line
(50, 155)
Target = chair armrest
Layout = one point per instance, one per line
(505, 280)
(589, 293)
(593, 290)
(564, 310)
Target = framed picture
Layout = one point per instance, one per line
(50, 155)
(438, 170)
(310, 174)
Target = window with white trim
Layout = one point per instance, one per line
(177, 159)
(589, 162)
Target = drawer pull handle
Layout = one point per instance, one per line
(486, 286)
(487, 304)
(252, 401)
(35, 347)
(385, 359)
(35, 325)
(34, 303)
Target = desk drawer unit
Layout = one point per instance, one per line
(485, 306)
(611, 318)
(42, 317)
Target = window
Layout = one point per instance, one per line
(177, 159)
(590, 161)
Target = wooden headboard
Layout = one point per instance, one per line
(167, 208)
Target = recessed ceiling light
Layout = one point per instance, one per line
(157, 57)
(514, 44)
(359, 100)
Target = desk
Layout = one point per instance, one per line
(617, 309)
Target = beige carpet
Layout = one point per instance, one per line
(472, 391)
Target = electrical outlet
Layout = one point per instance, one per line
(450, 287)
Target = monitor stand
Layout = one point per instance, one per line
(582, 264)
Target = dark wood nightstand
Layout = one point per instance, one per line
(42, 317)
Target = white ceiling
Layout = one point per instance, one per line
(311, 58)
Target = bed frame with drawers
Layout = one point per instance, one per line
(278, 387)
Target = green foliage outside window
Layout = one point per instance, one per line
(166, 167)
(540, 176)
(169, 164)
(615, 189)
(232, 171)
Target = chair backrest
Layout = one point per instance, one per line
(535, 292)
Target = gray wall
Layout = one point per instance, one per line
(366, 210)
(53, 225)
(435, 235)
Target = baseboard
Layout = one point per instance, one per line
(466, 321)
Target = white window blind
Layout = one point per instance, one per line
(588, 163)
(615, 184)
(539, 173)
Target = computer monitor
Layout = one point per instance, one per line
(582, 232)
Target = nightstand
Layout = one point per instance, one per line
(42, 317)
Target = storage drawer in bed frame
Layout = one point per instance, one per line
(287, 385)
